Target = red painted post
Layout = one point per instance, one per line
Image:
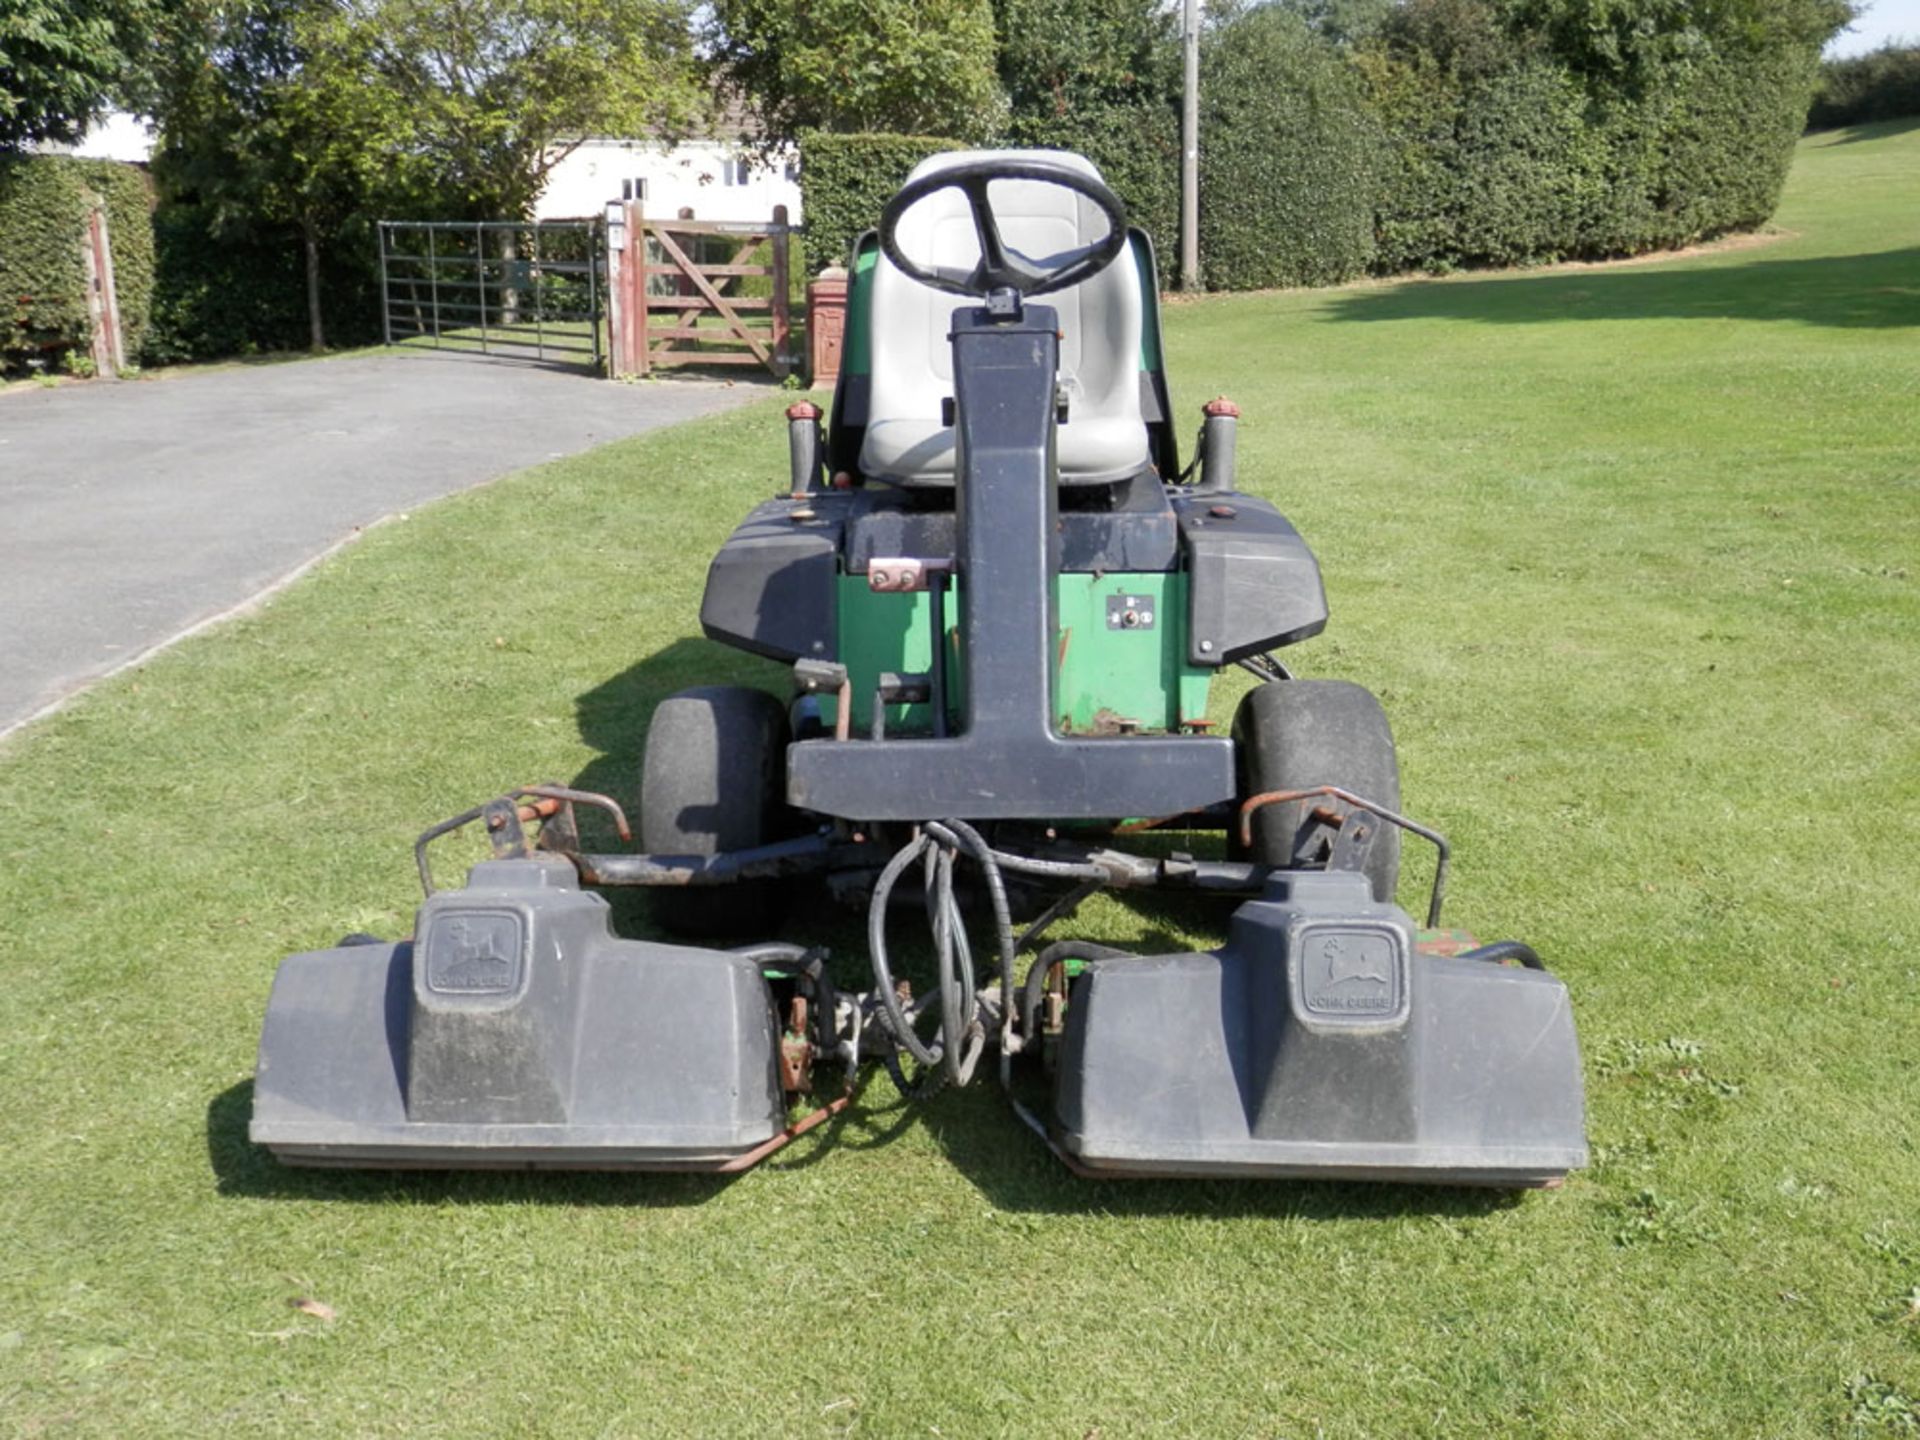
(826, 325)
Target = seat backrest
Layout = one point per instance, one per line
(912, 358)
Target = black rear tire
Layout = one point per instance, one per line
(1295, 734)
(714, 779)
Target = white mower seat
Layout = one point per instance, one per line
(1105, 437)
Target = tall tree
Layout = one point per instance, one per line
(1055, 54)
(911, 66)
(62, 62)
(265, 122)
(494, 93)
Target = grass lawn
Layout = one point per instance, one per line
(1633, 556)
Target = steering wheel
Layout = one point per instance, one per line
(999, 268)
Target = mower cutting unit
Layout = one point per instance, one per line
(1003, 602)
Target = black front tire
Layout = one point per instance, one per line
(714, 779)
(1296, 734)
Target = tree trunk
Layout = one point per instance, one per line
(316, 331)
(509, 295)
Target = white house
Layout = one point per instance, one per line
(701, 179)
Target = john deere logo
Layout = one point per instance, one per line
(474, 953)
(1350, 972)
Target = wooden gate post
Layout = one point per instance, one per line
(103, 299)
(626, 290)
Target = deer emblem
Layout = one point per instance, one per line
(1344, 965)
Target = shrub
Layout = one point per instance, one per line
(1502, 151)
(45, 202)
(845, 181)
(43, 280)
(128, 197)
(1726, 142)
(245, 292)
(1881, 85)
(1136, 146)
(1289, 158)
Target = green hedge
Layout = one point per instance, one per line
(44, 204)
(245, 293)
(128, 197)
(1881, 85)
(1460, 134)
(1527, 161)
(1136, 146)
(1288, 158)
(845, 181)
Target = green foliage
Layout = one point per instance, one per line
(63, 61)
(128, 198)
(1288, 158)
(1136, 146)
(1881, 85)
(904, 66)
(1101, 78)
(268, 124)
(845, 180)
(487, 99)
(45, 202)
(242, 292)
(43, 280)
(1057, 55)
(1344, 22)
(1511, 142)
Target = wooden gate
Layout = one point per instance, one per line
(679, 292)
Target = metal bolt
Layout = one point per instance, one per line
(1223, 512)
(1206, 647)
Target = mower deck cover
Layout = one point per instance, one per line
(516, 1030)
(1318, 1042)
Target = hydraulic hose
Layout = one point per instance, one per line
(1501, 951)
(1035, 987)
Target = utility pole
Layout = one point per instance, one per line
(1190, 151)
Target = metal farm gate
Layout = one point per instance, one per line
(534, 291)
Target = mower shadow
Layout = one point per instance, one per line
(1009, 1165)
(243, 1169)
(612, 717)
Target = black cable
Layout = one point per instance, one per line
(962, 1039)
(896, 1018)
(1500, 951)
(1264, 666)
(1033, 990)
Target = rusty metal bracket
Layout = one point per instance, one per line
(506, 817)
(1361, 807)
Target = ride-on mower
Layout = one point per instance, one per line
(1003, 601)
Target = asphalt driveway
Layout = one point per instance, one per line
(131, 513)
